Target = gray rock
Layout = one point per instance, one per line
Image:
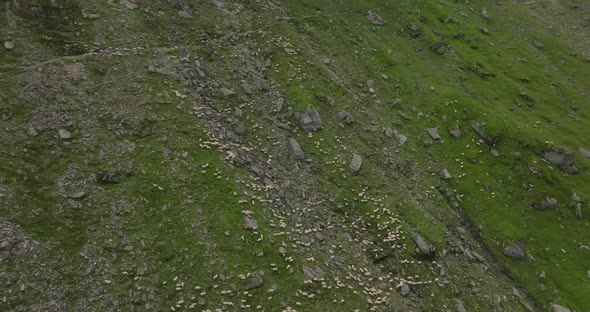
(8, 45)
(64, 134)
(405, 290)
(460, 306)
(355, 163)
(559, 158)
(185, 14)
(295, 149)
(309, 119)
(250, 223)
(414, 31)
(390, 132)
(403, 116)
(445, 175)
(375, 19)
(558, 308)
(402, 139)
(240, 129)
(246, 88)
(584, 152)
(345, 117)
(515, 251)
(227, 92)
(455, 133)
(577, 198)
(547, 203)
(330, 100)
(282, 251)
(76, 195)
(313, 273)
(424, 246)
(538, 45)
(255, 282)
(495, 153)
(31, 131)
(433, 132)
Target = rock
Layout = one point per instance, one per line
(405, 290)
(390, 132)
(345, 117)
(558, 308)
(76, 195)
(330, 100)
(564, 160)
(185, 14)
(455, 133)
(538, 45)
(255, 282)
(64, 134)
(130, 4)
(8, 45)
(460, 306)
(6, 116)
(355, 163)
(445, 175)
(577, 198)
(547, 203)
(433, 132)
(246, 88)
(584, 152)
(447, 20)
(402, 139)
(282, 251)
(250, 223)
(403, 116)
(31, 131)
(515, 251)
(485, 14)
(313, 273)
(280, 102)
(309, 119)
(559, 158)
(295, 149)
(240, 129)
(227, 92)
(414, 31)
(424, 246)
(495, 153)
(375, 19)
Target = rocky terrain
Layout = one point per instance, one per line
(256, 155)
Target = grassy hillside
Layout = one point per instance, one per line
(145, 165)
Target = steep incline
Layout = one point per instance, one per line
(294, 156)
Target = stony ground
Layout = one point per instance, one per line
(173, 155)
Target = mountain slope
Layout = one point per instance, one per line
(146, 160)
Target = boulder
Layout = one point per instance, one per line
(515, 251)
(433, 132)
(405, 290)
(295, 149)
(424, 246)
(584, 152)
(309, 119)
(455, 133)
(445, 175)
(558, 308)
(64, 134)
(345, 117)
(250, 223)
(255, 282)
(460, 306)
(355, 163)
(375, 19)
(547, 203)
(559, 158)
(313, 273)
